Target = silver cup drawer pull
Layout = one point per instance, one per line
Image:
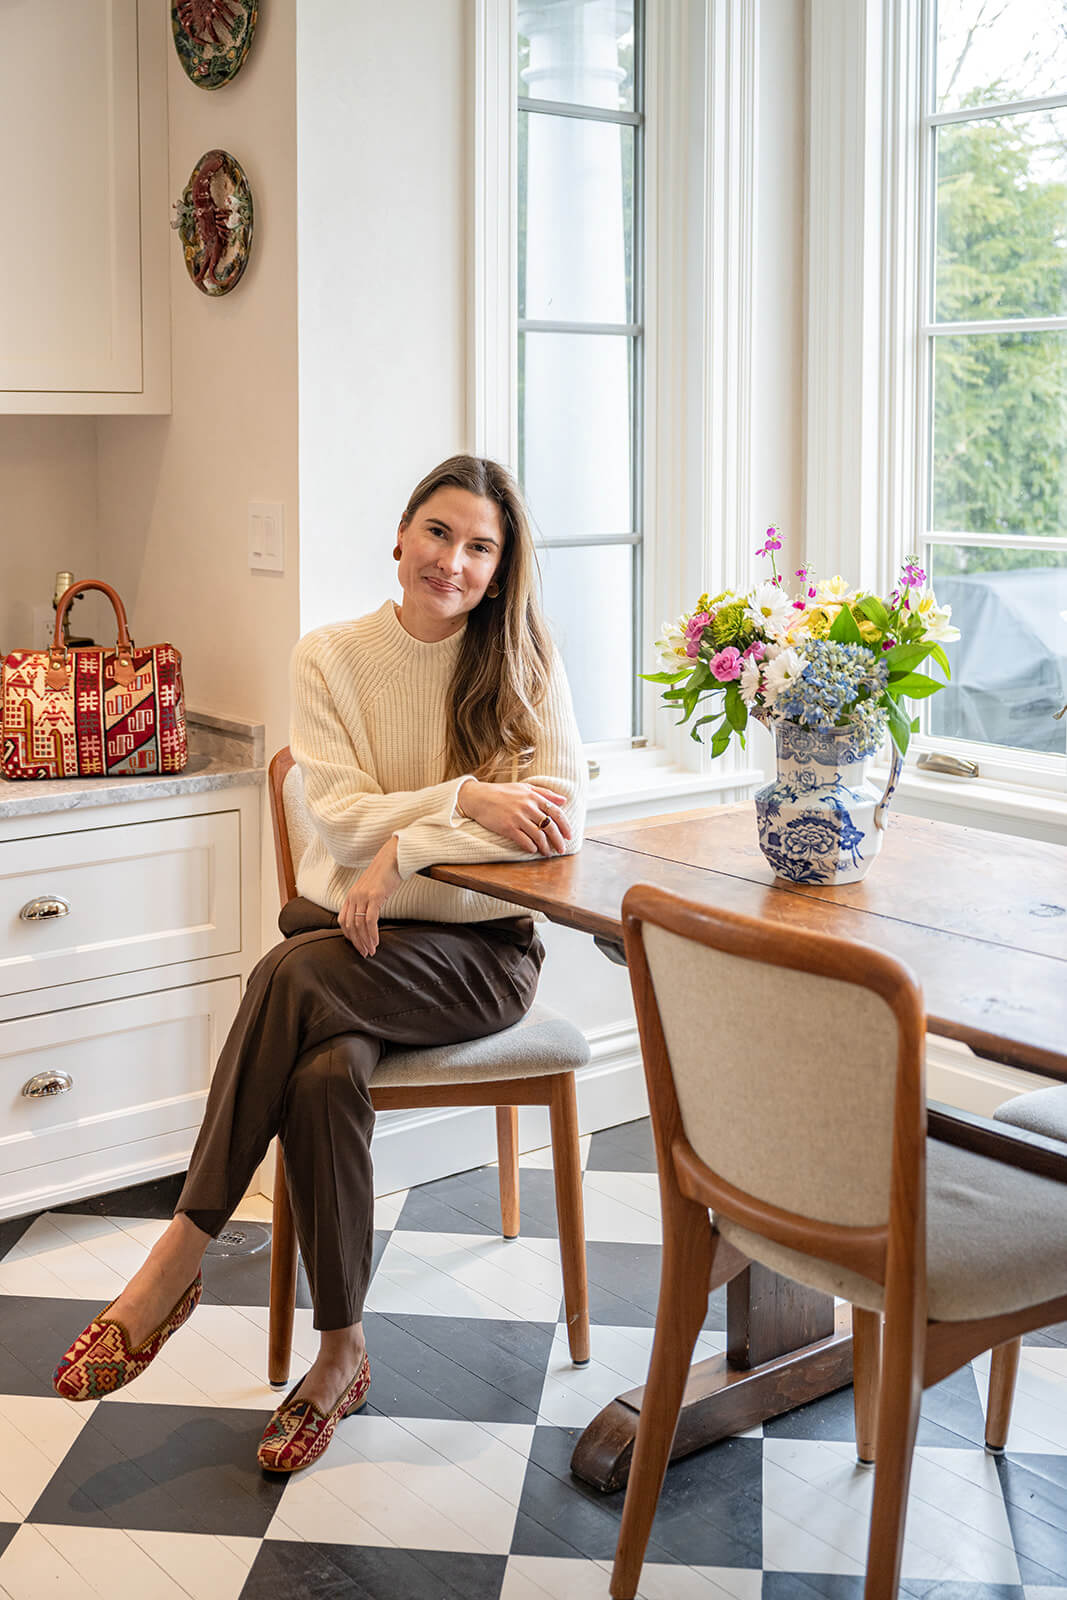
(45, 908)
(46, 1084)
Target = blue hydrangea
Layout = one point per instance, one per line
(837, 688)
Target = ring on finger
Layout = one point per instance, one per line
(545, 822)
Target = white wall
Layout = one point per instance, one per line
(384, 138)
(174, 490)
(48, 522)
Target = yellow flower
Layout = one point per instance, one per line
(834, 589)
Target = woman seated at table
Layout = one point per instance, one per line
(437, 730)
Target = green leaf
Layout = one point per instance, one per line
(873, 609)
(845, 629)
(900, 729)
(664, 677)
(916, 685)
(736, 709)
(903, 657)
(941, 658)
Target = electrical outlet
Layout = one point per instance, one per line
(266, 536)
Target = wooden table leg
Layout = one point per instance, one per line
(785, 1346)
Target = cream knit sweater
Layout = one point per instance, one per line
(369, 705)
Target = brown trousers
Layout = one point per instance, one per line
(315, 1018)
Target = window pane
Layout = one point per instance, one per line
(574, 432)
(1016, 51)
(1002, 218)
(1009, 668)
(576, 203)
(595, 640)
(581, 51)
(1000, 433)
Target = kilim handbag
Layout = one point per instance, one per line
(92, 712)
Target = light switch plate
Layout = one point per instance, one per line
(266, 536)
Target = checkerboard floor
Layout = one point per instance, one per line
(454, 1483)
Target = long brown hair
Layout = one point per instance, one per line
(501, 676)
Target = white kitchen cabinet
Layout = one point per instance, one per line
(84, 296)
(115, 1001)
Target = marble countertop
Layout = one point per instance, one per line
(224, 752)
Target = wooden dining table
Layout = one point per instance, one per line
(981, 920)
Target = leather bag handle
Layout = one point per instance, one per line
(56, 674)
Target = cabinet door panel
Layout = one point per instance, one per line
(140, 895)
(70, 278)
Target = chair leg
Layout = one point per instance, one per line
(688, 1252)
(899, 1397)
(282, 1280)
(1002, 1374)
(570, 1214)
(866, 1371)
(507, 1149)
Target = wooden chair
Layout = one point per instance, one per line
(1044, 1112)
(785, 1075)
(532, 1063)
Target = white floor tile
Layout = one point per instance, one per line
(817, 1508)
(72, 1257)
(463, 1275)
(543, 1158)
(204, 1567)
(1039, 1409)
(572, 1396)
(31, 1567)
(254, 1208)
(449, 1486)
(219, 1358)
(387, 1208)
(38, 1434)
(113, 1563)
(622, 1206)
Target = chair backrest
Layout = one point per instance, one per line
(785, 1074)
(292, 825)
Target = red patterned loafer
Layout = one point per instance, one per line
(299, 1432)
(102, 1359)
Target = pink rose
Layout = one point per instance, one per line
(756, 651)
(694, 632)
(726, 666)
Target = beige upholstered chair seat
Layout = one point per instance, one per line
(541, 1043)
(996, 1241)
(1042, 1111)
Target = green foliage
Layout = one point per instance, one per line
(1000, 400)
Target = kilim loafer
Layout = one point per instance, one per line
(299, 1432)
(101, 1359)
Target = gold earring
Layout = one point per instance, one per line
(396, 552)
(493, 590)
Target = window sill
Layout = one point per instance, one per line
(1012, 801)
(637, 780)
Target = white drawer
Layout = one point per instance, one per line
(140, 1069)
(140, 895)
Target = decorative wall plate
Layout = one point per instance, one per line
(214, 221)
(212, 38)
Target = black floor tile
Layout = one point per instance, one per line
(35, 1330)
(245, 1281)
(154, 1199)
(936, 1589)
(1035, 1497)
(7, 1533)
(810, 1586)
(365, 1572)
(627, 1148)
(12, 1229)
(951, 1417)
(472, 1369)
(470, 1203)
(179, 1469)
(624, 1286)
(709, 1512)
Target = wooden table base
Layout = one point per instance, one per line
(725, 1395)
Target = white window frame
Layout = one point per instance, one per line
(701, 67)
(869, 190)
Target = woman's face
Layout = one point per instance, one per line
(449, 552)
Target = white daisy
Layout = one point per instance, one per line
(769, 607)
(749, 682)
(787, 665)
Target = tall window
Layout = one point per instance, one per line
(996, 540)
(580, 339)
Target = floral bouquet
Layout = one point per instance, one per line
(827, 657)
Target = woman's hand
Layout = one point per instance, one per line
(358, 916)
(516, 812)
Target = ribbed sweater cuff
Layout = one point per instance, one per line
(419, 844)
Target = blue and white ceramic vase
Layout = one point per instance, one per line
(820, 821)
